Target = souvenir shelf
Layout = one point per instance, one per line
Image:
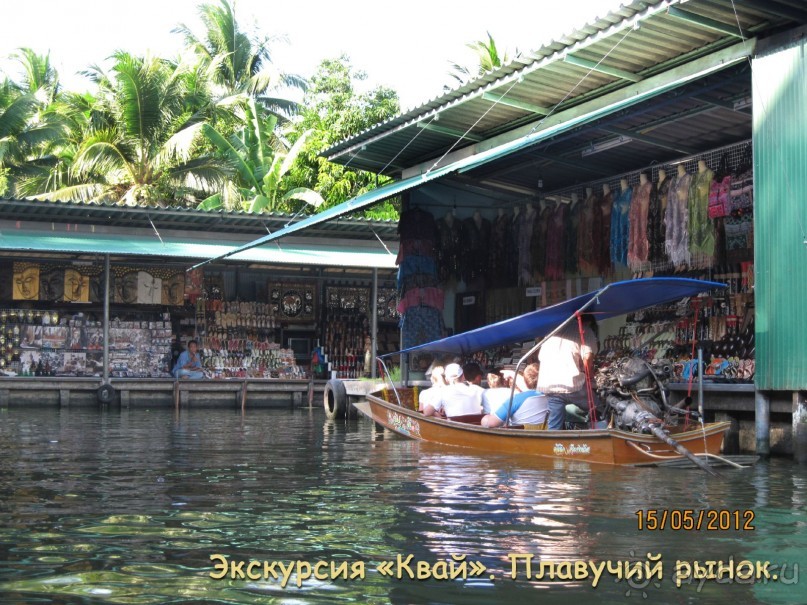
(47, 343)
(240, 339)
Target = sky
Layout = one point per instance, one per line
(407, 46)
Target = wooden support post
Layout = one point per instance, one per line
(310, 393)
(244, 396)
(731, 442)
(799, 428)
(5, 395)
(64, 397)
(762, 421)
(176, 394)
(124, 399)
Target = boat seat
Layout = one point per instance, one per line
(467, 418)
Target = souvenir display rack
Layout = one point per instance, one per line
(47, 342)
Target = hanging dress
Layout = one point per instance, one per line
(620, 227)
(677, 220)
(526, 227)
(497, 259)
(638, 247)
(655, 223)
(476, 242)
(555, 242)
(701, 228)
(602, 234)
(449, 249)
(539, 245)
(570, 255)
(586, 249)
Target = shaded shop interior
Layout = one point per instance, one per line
(294, 311)
(526, 177)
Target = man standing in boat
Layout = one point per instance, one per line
(565, 360)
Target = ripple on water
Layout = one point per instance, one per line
(128, 507)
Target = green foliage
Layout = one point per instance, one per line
(488, 59)
(332, 110)
(259, 161)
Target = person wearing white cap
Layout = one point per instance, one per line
(431, 395)
(457, 399)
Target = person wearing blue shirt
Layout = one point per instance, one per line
(529, 407)
(189, 363)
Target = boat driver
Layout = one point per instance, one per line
(459, 398)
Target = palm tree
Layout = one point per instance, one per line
(137, 140)
(259, 166)
(488, 59)
(25, 127)
(241, 64)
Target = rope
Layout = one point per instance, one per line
(592, 412)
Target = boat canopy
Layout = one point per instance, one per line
(611, 300)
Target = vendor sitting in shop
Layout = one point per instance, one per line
(189, 363)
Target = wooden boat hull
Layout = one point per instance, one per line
(597, 446)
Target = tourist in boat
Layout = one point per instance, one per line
(189, 363)
(459, 398)
(564, 362)
(472, 373)
(528, 407)
(498, 391)
(431, 395)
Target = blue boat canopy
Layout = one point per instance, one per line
(612, 300)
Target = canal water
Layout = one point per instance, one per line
(130, 506)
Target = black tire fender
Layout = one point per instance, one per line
(105, 393)
(335, 399)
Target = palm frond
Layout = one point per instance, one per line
(87, 192)
(15, 117)
(304, 194)
(231, 154)
(102, 154)
(295, 150)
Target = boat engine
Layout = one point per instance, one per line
(633, 392)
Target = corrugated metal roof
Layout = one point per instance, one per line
(640, 39)
(113, 215)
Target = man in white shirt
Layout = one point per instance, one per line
(563, 368)
(457, 399)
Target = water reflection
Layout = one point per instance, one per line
(128, 507)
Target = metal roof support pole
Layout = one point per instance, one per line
(106, 319)
(762, 421)
(374, 324)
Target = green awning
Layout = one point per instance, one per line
(550, 126)
(170, 247)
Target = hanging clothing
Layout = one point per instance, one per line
(555, 243)
(476, 242)
(497, 257)
(638, 247)
(417, 224)
(655, 222)
(620, 227)
(586, 248)
(701, 228)
(677, 220)
(572, 226)
(526, 227)
(539, 245)
(512, 252)
(420, 325)
(602, 234)
(449, 248)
